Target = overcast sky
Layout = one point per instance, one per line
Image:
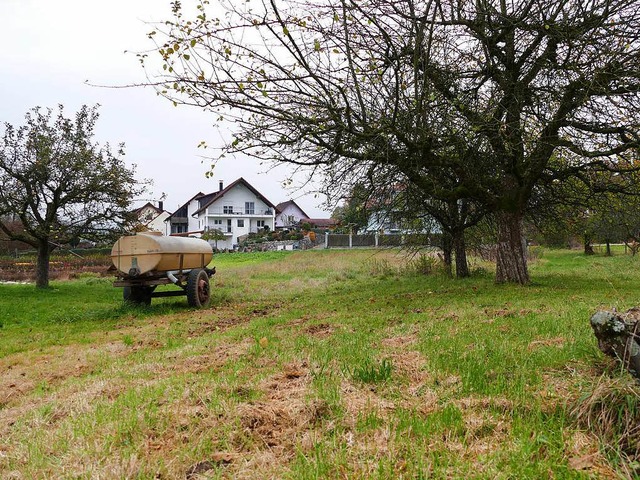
(50, 48)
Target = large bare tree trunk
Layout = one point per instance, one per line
(42, 266)
(511, 265)
(462, 267)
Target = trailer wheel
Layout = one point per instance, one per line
(198, 292)
(137, 295)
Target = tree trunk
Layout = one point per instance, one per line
(42, 266)
(588, 248)
(462, 267)
(511, 264)
(608, 254)
(447, 252)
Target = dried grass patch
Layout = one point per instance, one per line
(68, 403)
(267, 432)
(365, 449)
(219, 356)
(584, 455)
(22, 373)
(411, 365)
(556, 390)
(359, 400)
(486, 422)
(400, 341)
(225, 318)
(314, 323)
(320, 330)
(558, 342)
(611, 410)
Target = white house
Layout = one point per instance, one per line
(181, 221)
(153, 218)
(289, 214)
(236, 210)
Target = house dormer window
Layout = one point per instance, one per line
(227, 209)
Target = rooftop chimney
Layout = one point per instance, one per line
(221, 185)
(161, 206)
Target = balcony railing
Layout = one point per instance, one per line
(238, 210)
(225, 231)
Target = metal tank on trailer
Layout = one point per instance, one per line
(148, 259)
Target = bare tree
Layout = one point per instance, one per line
(484, 92)
(60, 185)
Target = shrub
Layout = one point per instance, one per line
(535, 252)
(611, 409)
(380, 268)
(425, 264)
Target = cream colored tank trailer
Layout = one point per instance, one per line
(146, 260)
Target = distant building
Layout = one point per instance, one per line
(153, 218)
(289, 215)
(235, 211)
(323, 223)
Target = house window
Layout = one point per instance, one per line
(229, 225)
(249, 208)
(260, 223)
(217, 221)
(227, 209)
(241, 223)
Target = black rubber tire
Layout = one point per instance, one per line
(137, 295)
(198, 292)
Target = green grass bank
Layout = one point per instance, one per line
(315, 364)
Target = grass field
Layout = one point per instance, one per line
(313, 365)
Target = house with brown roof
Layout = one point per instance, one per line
(235, 211)
(151, 217)
(289, 214)
(323, 223)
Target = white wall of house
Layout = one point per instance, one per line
(239, 212)
(236, 201)
(158, 224)
(147, 214)
(152, 220)
(193, 224)
(290, 216)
